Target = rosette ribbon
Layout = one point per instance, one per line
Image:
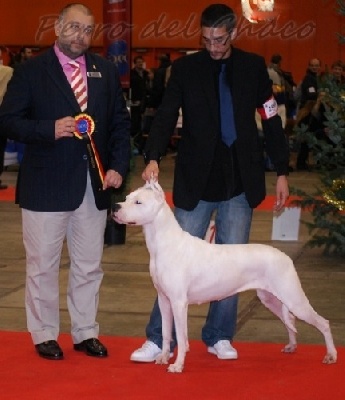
(85, 127)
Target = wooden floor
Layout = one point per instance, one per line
(127, 293)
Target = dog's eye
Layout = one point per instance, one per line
(137, 202)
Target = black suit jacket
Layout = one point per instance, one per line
(52, 175)
(192, 87)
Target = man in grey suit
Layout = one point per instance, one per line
(220, 163)
(72, 157)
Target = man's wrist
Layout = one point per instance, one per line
(148, 158)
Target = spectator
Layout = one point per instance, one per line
(148, 105)
(337, 71)
(309, 85)
(138, 81)
(24, 54)
(308, 93)
(160, 79)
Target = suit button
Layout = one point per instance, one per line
(84, 157)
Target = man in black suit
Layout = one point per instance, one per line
(71, 159)
(220, 164)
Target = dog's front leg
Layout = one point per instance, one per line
(180, 312)
(167, 324)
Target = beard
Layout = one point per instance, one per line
(72, 49)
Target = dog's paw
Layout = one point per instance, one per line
(175, 368)
(330, 359)
(289, 348)
(162, 359)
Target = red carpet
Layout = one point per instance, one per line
(261, 373)
(7, 194)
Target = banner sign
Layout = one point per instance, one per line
(117, 36)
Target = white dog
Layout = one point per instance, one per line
(187, 270)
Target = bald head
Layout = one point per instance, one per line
(74, 29)
(314, 65)
(78, 6)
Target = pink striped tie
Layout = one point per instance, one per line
(78, 85)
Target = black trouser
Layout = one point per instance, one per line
(135, 120)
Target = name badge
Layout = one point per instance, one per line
(94, 74)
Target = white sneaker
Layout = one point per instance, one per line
(223, 350)
(147, 353)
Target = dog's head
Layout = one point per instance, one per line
(140, 206)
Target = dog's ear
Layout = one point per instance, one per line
(155, 186)
(147, 184)
(152, 182)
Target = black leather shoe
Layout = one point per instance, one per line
(50, 350)
(92, 347)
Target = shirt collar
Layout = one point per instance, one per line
(64, 60)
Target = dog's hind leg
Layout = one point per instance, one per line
(281, 311)
(297, 305)
(167, 325)
(305, 312)
(180, 312)
(289, 321)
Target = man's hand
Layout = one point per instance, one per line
(282, 192)
(151, 171)
(64, 127)
(112, 179)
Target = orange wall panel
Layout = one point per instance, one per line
(24, 22)
(301, 30)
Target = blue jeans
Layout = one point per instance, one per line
(233, 221)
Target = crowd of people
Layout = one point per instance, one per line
(146, 93)
(313, 104)
(63, 186)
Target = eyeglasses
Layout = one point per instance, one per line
(218, 42)
(74, 27)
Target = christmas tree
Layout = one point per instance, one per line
(327, 145)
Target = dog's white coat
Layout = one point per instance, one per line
(187, 270)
